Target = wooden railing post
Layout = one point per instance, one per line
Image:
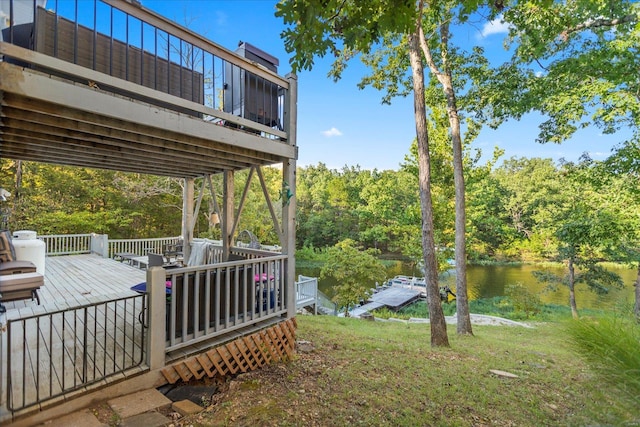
(156, 278)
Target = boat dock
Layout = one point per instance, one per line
(394, 298)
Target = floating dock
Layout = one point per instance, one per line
(394, 298)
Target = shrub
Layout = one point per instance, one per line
(523, 300)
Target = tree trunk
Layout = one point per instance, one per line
(444, 77)
(437, 322)
(462, 302)
(572, 291)
(636, 307)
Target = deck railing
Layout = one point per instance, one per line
(207, 301)
(51, 354)
(67, 244)
(140, 246)
(123, 40)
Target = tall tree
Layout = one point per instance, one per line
(319, 26)
(578, 64)
(589, 227)
(453, 73)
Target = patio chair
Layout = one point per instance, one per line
(21, 286)
(9, 264)
(18, 279)
(159, 260)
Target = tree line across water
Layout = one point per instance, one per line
(524, 209)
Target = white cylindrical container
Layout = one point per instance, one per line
(29, 248)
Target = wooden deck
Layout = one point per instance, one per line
(76, 280)
(56, 351)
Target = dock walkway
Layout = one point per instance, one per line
(393, 298)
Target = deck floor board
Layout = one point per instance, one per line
(72, 281)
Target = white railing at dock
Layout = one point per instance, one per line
(308, 294)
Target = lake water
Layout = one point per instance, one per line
(491, 281)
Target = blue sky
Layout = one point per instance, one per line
(338, 124)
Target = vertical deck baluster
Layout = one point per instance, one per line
(216, 300)
(51, 356)
(75, 347)
(207, 303)
(37, 367)
(95, 33)
(104, 359)
(155, 58)
(95, 339)
(124, 334)
(84, 339)
(196, 305)
(185, 308)
(64, 348)
(24, 361)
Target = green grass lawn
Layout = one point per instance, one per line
(386, 374)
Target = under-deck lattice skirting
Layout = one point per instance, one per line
(244, 354)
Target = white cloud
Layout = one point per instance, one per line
(497, 26)
(331, 132)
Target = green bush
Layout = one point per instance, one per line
(523, 300)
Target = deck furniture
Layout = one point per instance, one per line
(20, 286)
(124, 256)
(173, 251)
(159, 260)
(140, 261)
(16, 267)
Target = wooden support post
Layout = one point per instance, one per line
(289, 204)
(187, 216)
(156, 318)
(228, 216)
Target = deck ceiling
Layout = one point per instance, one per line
(50, 120)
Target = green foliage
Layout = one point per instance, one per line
(338, 27)
(523, 300)
(578, 64)
(354, 270)
(611, 346)
(309, 253)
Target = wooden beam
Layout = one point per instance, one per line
(227, 209)
(42, 88)
(196, 211)
(242, 200)
(56, 131)
(128, 131)
(274, 218)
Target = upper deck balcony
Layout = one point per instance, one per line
(113, 85)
